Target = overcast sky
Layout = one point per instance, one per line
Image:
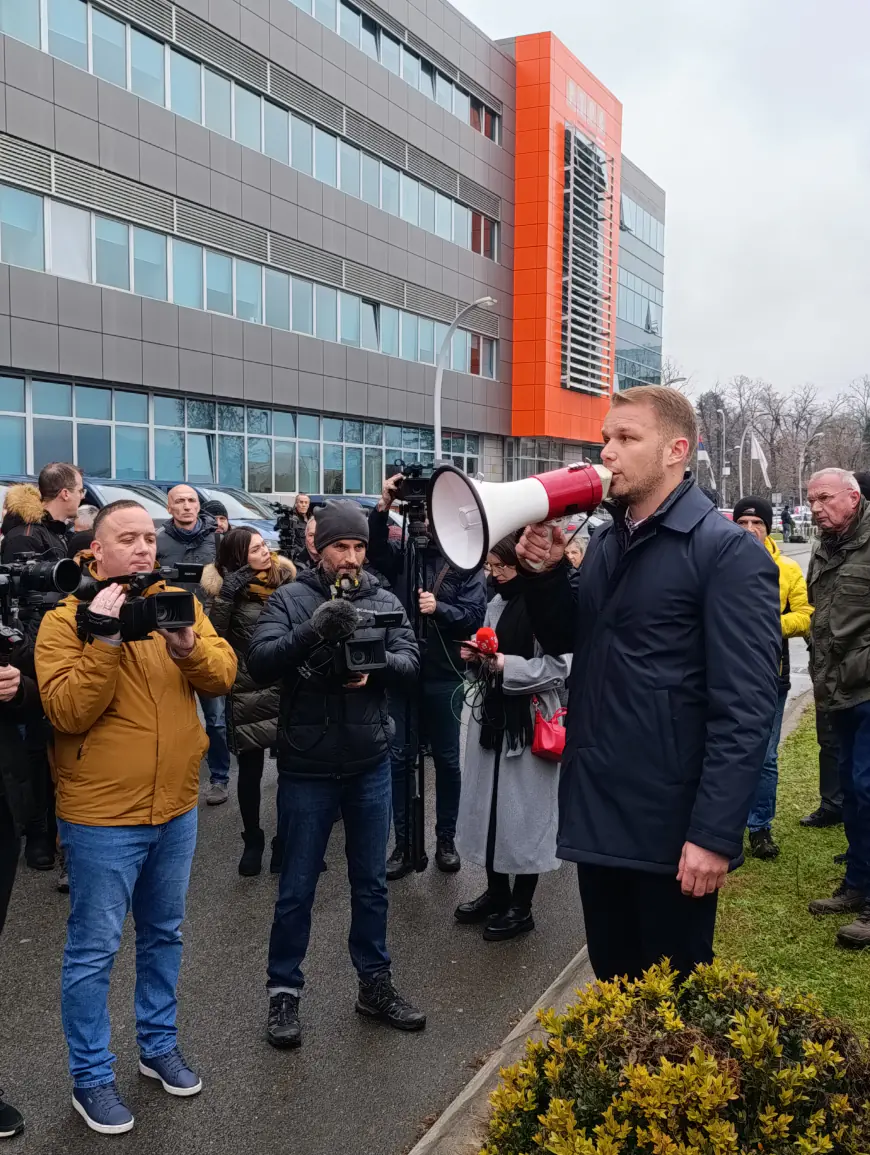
(754, 115)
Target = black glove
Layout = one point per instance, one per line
(235, 582)
(101, 625)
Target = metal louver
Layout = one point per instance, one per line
(377, 286)
(296, 257)
(480, 92)
(153, 14)
(99, 189)
(212, 228)
(369, 135)
(435, 57)
(432, 171)
(479, 197)
(587, 266)
(25, 164)
(430, 303)
(382, 17)
(304, 97)
(481, 321)
(217, 48)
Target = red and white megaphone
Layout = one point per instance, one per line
(467, 517)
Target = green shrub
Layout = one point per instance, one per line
(717, 1065)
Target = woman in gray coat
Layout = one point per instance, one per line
(509, 806)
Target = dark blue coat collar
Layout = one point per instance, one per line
(681, 510)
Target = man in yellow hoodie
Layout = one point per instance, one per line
(755, 514)
(128, 744)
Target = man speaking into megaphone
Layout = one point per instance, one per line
(673, 619)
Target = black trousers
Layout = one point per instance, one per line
(829, 762)
(634, 919)
(10, 848)
(250, 775)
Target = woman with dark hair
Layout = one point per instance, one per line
(240, 583)
(508, 809)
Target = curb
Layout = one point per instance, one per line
(794, 712)
(461, 1129)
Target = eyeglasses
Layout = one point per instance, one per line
(827, 498)
(500, 567)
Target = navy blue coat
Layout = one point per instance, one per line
(676, 639)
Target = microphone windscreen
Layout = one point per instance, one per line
(487, 641)
(334, 621)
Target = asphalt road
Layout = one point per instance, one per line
(355, 1087)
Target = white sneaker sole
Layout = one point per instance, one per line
(181, 1092)
(102, 1128)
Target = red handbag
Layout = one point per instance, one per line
(548, 741)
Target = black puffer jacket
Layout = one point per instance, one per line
(17, 765)
(28, 528)
(252, 710)
(326, 729)
(174, 548)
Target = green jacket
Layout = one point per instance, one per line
(838, 581)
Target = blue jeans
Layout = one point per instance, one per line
(853, 729)
(307, 807)
(114, 870)
(442, 711)
(764, 806)
(215, 711)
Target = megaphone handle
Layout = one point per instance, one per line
(537, 566)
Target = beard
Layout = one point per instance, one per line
(640, 488)
(335, 573)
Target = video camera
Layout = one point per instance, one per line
(355, 637)
(32, 583)
(285, 527)
(140, 615)
(413, 482)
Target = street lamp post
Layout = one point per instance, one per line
(721, 413)
(443, 354)
(748, 429)
(801, 457)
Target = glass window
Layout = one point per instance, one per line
(410, 199)
(231, 419)
(185, 78)
(389, 328)
(94, 403)
(324, 11)
(374, 433)
(247, 120)
(393, 435)
(409, 336)
(411, 67)
(169, 411)
(349, 320)
(131, 407)
(231, 459)
(440, 334)
(349, 28)
(368, 40)
(309, 466)
(427, 79)
(443, 91)
(70, 242)
(259, 420)
(68, 34)
(369, 325)
(303, 306)
(218, 103)
(283, 423)
(113, 253)
(325, 163)
(474, 361)
(52, 440)
(308, 426)
(277, 299)
(201, 464)
(200, 414)
(11, 395)
(249, 291)
(444, 217)
(187, 274)
(371, 180)
(218, 283)
(276, 132)
(131, 452)
(460, 351)
(20, 18)
(353, 470)
(350, 162)
(389, 190)
(285, 466)
(476, 115)
(390, 53)
(305, 5)
(490, 127)
(476, 232)
(326, 318)
(461, 104)
(54, 398)
(410, 438)
(427, 209)
(353, 432)
(333, 429)
(427, 439)
(333, 471)
(374, 466)
(94, 452)
(146, 67)
(301, 145)
(168, 454)
(21, 229)
(462, 225)
(108, 48)
(427, 341)
(149, 264)
(488, 238)
(487, 358)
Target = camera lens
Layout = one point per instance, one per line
(163, 614)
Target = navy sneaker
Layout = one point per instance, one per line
(173, 1072)
(103, 1109)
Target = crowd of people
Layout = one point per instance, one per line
(663, 639)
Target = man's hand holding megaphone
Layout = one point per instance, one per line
(541, 547)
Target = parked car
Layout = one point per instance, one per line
(242, 507)
(101, 491)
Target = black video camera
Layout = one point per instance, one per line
(413, 482)
(285, 526)
(140, 615)
(29, 576)
(366, 650)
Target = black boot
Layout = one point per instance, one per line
(39, 851)
(251, 862)
(446, 858)
(284, 1029)
(515, 921)
(11, 1120)
(761, 844)
(480, 908)
(396, 865)
(277, 859)
(823, 817)
(379, 999)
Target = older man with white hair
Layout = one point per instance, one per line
(839, 588)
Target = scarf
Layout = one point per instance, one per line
(188, 534)
(264, 583)
(509, 715)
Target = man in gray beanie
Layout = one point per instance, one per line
(333, 753)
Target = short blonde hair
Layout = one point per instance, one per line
(675, 412)
(846, 476)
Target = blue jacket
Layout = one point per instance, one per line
(460, 601)
(676, 639)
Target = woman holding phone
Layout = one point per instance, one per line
(508, 810)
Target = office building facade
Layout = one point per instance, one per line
(235, 238)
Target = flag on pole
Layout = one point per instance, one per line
(703, 455)
(758, 455)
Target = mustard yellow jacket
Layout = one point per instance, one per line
(128, 741)
(794, 603)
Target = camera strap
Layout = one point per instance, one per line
(439, 579)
